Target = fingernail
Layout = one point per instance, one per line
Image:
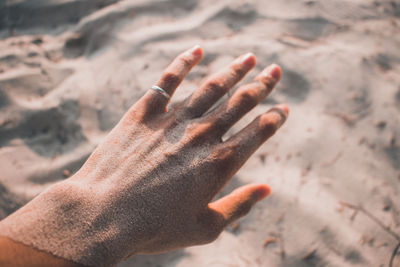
(196, 50)
(283, 111)
(274, 71)
(249, 59)
(263, 192)
(284, 108)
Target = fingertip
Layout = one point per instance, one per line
(249, 60)
(275, 71)
(284, 108)
(197, 51)
(263, 191)
(274, 118)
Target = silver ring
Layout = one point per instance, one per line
(161, 91)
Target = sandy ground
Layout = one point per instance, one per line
(69, 69)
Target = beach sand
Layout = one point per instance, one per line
(70, 69)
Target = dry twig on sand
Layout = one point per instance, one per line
(310, 254)
(269, 240)
(359, 208)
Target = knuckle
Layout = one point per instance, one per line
(225, 154)
(249, 97)
(199, 131)
(269, 124)
(186, 61)
(216, 84)
(224, 158)
(267, 82)
(132, 115)
(171, 78)
(237, 70)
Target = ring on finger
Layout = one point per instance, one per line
(161, 91)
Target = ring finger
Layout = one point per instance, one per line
(155, 101)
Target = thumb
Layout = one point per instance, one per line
(239, 202)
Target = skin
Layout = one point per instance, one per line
(15, 254)
(156, 173)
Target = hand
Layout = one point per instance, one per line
(147, 188)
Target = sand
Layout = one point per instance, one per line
(70, 69)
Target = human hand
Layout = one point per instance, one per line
(147, 188)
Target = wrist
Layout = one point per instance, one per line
(64, 221)
(19, 255)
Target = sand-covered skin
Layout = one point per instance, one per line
(71, 69)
